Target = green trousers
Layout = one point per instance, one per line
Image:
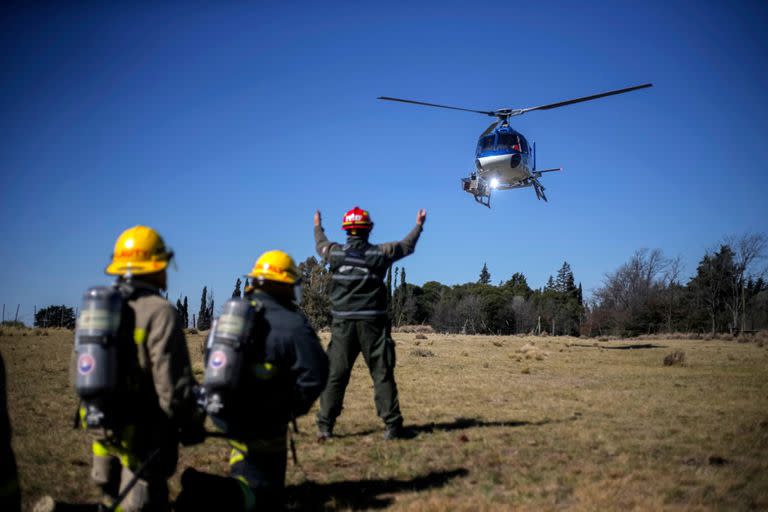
(348, 339)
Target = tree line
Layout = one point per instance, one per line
(647, 294)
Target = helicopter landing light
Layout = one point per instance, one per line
(494, 183)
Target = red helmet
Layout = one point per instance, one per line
(356, 218)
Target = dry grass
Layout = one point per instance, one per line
(587, 426)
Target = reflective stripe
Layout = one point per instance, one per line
(123, 450)
(237, 445)
(81, 413)
(235, 456)
(370, 312)
(249, 500)
(273, 445)
(357, 277)
(99, 450)
(139, 335)
(264, 371)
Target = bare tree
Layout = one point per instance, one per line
(627, 292)
(671, 282)
(748, 250)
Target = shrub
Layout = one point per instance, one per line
(422, 352)
(420, 337)
(676, 358)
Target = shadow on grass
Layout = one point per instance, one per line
(621, 347)
(461, 424)
(362, 494)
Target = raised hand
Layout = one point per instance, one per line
(421, 217)
(318, 218)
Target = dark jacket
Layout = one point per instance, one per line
(358, 269)
(289, 370)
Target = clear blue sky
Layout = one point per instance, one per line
(225, 127)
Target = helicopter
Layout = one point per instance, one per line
(504, 159)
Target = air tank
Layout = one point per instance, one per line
(230, 335)
(96, 350)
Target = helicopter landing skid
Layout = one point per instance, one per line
(483, 200)
(479, 189)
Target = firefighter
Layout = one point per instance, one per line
(157, 407)
(10, 496)
(360, 319)
(283, 371)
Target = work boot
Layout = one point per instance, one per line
(324, 435)
(48, 504)
(398, 431)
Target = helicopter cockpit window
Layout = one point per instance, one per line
(487, 143)
(524, 145)
(507, 140)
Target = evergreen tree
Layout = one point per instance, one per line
(710, 287)
(315, 301)
(185, 318)
(485, 276)
(395, 301)
(203, 322)
(564, 282)
(55, 316)
(180, 310)
(236, 292)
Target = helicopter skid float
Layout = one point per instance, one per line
(503, 159)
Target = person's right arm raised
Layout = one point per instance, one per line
(398, 250)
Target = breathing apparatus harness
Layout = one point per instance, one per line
(235, 351)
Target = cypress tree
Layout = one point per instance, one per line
(236, 292)
(485, 276)
(202, 315)
(186, 312)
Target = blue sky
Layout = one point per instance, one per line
(226, 126)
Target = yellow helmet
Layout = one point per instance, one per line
(139, 250)
(275, 266)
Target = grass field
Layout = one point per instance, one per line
(502, 422)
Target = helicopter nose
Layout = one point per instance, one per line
(514, 161)
(477, 165)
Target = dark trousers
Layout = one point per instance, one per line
(259, 465)
(348, 339)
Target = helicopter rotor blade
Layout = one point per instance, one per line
(559, 104)
(485, 112)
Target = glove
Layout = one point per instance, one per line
(193, 432)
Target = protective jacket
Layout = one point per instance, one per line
(286, 372)
(358, 269)
(162, 352)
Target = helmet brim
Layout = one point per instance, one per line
(121, 268)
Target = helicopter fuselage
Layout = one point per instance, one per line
(503, 158)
